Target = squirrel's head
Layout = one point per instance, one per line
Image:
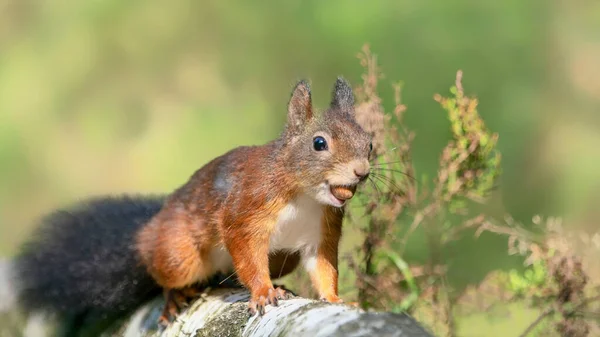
(328, 153)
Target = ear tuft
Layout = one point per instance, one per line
(342, 97)
(299, 108)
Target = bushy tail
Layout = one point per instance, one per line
(82, 260)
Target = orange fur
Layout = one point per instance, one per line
(325, 276)
(235, 202)
(248, 244)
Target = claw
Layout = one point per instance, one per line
(163, 321)
(175, 301)
(272, 296)
(257, 306)
(287, 293)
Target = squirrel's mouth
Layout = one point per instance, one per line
(341, 193)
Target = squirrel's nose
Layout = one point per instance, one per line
(362, 173)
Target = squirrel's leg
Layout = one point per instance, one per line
(321, 262)
(174, 259)
(250, 254)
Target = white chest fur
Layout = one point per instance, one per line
(298, 226)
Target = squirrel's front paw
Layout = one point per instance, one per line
(259, 301)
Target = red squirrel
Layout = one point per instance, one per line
(257, 211)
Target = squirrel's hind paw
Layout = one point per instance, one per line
(177, 300)
(287, 293)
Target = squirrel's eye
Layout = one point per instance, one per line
(370, 147)
(319, 143)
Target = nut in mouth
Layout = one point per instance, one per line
(343, 193)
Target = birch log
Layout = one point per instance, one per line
(222, 312)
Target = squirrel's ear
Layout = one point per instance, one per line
(342, 97)
(300, 107)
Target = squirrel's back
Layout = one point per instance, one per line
(82, 258)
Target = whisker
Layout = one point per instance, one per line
(389, 163)
(283, 265)
(384, 152)
(385, 183)
(385, 177)
(385, 195)
(392, 170)
(227, 278)
(388, 182)
(376, 188)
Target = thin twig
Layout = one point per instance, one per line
(549, 311)
(418, 218)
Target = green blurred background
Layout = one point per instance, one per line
(113, 96)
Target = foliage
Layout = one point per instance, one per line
(561, 278)
(470, 163)
(556, 275)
